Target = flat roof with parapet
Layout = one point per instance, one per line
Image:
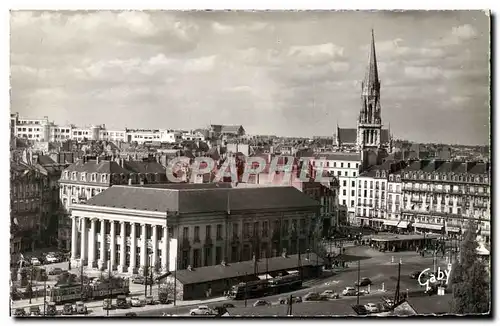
(403, 237)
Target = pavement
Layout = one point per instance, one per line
(380, 267)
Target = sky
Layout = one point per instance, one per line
(278, 72)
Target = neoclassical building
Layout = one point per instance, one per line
(175, 226)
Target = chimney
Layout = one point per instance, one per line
(284, 254)
(190, 268)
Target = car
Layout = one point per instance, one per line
(349, 291)
(365, 281)
(50, 259)
(56, 271)
(371, 307)
(202, 310)
(19, 312)
(141, 280)
(67, 309)
(260, 303)
(35, 262)
(137, 302)
(414, 275)
(330, 294)
(313, 296)
(121, 302)
(286, 300)
(35, 311)
(130, 314)
(51, 309)
(150, 300)
(107, 304)
(80, 308)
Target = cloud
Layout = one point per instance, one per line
(464, 32)
(222, 29)
(456, 36)
(328, 50)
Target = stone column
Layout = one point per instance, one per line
(144, 249)
(164, 251)
(123, 251)
(154, 260)
(83, 243)
(131, 267)
(73, 238)
(103, 259)
(91, 263)
(112, 245)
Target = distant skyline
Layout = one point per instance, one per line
(285, 73)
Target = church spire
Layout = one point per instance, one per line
(371, 79)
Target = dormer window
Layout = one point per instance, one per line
(103, 178)
(66, 175)
(383, 174)
(391, 177)
(82, 176)
(377, 174)
(73, 176)
(93, 177)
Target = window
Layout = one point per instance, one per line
(185, 232)
(196, 258)
(339, 173)
(390, 187)
(196, 234)
(353, 183)
(235, 230)
(366, 184)
(352, 193)
(341, 164)
(208, 256)
(265, 228)
(208, 232)
(346, 173)
(246, 230)
(345, 183)
(256, 229)
(371, 184)
(352, 203)
(354, 174)
(82, 176)
(349, 165)
(344, 192)
(218, 255)
(343, 202)
(219, 231)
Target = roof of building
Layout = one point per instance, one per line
(201, 200)
(184, 185)
(91, 166)
(347, 135)
(45, 160)
(233, 270)
(144, 166)
(231, 129)
(339, 156)
(449, 167)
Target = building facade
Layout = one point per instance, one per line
(90, 176)
(441, 196)
(168, 229)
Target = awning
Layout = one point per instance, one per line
(403, 224)
(452, 229)
(264, 277)
(391, 222)
(428, 226)
(292, 272)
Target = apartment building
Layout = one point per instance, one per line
(442, 196)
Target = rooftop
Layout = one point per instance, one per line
(233, 270)
(187, 201)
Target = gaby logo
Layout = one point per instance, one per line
(426, 279)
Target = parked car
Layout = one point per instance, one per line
(50, 259)
(202, 310)
(371, 307)
(56, 271)
(313, 296)
(365, 281)
(35, 311)
(349, 291)
(286, 300)
(137, 302)
(141, 280)
(130, 314)
(121, 302)
(19, 312)
(330, 294)
(150, 300)
(35, 261)
(107, 304)
(67, 309)
(260, 303)
(51, 309)
(80, 308)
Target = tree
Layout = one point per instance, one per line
(470, 280)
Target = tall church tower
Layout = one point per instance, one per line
(370, 120)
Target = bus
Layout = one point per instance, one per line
(76, 292)
(285, 284)
(250, 289)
